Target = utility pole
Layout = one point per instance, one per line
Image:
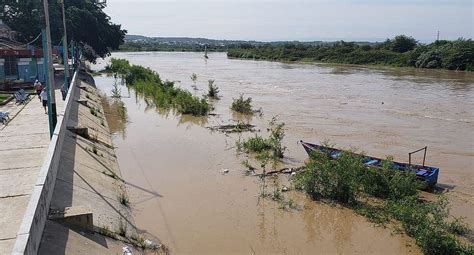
(49, 63)
(65, 50)
(46, 75)
(437, 37)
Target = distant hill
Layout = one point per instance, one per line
(183, 40)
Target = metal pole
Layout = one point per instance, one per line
(52, 94)
(65, 51)
(424, 156)
(71, 52)
(46, 81)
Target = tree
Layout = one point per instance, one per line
(86, 22)
(403, 43)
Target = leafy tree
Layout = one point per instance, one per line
(86, 23)
(403, 43)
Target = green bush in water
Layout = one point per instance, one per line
(148, 83)
(242, 105)
(272, 144)
(383, 195)
(427, 223)
(385, 183)
(329, 179)
(213, 90)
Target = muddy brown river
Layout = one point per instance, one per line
(175, 165)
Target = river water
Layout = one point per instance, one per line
(175, 165)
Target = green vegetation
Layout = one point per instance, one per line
(123, 199)
(94, 149)
(382, 196)
(164, 94)
(87, 24)
(194, 78)
(121, 228)
(92, 111)
(265, 149)
(242, 105)
(213, 90)
(138, 241)
(400, 51)
(3, 98)
(105, 231)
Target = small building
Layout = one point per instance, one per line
(19, 63)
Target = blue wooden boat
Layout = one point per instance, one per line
(427, 174)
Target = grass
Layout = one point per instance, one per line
(110, 174)
(213, 90)
(164, 94)
(105, 231)
(94, 149)
(382, 196)
(122, 228)
(242, 105)
(3, 98)
(93, 111)
(266, 147)
(123, 199)
(138, 241)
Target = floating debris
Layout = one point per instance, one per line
(231, 128)
(286, 170)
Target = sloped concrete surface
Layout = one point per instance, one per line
(89, 177)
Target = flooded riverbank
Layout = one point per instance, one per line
(176, 164)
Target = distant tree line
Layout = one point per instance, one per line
(86, 22)
(132, 46)
(399, 51)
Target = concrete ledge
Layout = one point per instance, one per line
(75, 217)
(32, 226)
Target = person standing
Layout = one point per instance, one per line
(64, 91)
(44, 99)
(38, 87)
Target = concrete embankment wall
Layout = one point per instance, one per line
(31, 229)
(80, 177)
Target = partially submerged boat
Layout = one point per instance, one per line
(427, 174)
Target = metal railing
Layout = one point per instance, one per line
(413, 152)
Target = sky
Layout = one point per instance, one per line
(303, 20)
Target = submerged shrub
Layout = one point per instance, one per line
(256, 144)
(385, 183)
(426, 223)
(186, 103)
(382, 195)
(242, 105)
(165, 95)
(272, 144)
(266, 149)
(213, 90)
(336, 180)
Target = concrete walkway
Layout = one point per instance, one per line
(24, 142)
